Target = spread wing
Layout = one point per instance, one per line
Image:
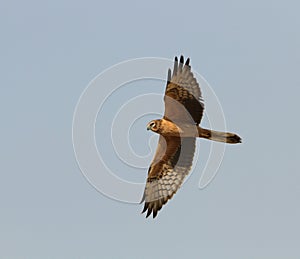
(174, 155)
(183, 99)
(171, 164)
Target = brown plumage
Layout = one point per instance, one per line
(178, 131)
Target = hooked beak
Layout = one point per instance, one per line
(148, 127)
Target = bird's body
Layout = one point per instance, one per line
(178, 130)
(187, 130)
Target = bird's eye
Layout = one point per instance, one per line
(152, 124)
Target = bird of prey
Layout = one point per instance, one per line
(178, 130)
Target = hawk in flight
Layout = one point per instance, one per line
(178, 130)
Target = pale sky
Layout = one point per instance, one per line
(248, 51)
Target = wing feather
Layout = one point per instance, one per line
(167, 175)
(184, 89)
(174, 155)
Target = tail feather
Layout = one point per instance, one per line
(226, 137)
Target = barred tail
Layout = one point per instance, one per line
(226, 137)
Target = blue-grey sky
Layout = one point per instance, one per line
(249, 53)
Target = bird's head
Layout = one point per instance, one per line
(153, 125)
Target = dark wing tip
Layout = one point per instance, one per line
(175, 66)
(149, 212)
(145, 207)
(148, 208)
(181, 64)
(181, 59)
(169, 75)
(187, 62)
(151, 208)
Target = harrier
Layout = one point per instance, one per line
(178, 130)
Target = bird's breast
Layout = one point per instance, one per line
(169, 128)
